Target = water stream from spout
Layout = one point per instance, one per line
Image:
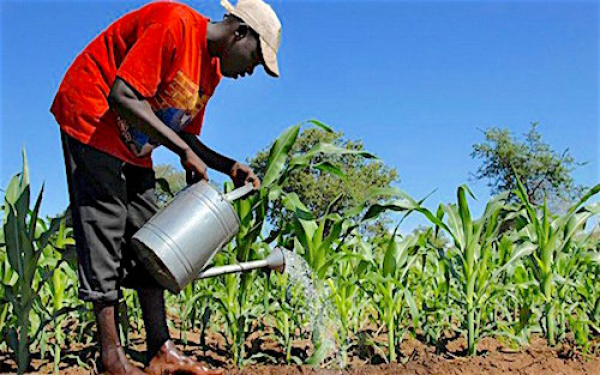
(319, 308)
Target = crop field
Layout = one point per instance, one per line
(515, 290)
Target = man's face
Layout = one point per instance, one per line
(243, 55)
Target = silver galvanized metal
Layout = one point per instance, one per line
(182, 238)
(275, 261)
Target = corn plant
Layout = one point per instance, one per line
(320, 242)
(283, 314)
(234, 291)
(433, 291)
(586, 322)
(514, 312)
(24, 248)
(350, 266)
(58, 296)
(194, 308)
(573, 266)
(8, 278)
(588, 288)
(236, 308)
(386, 284)
(552, 239)
(472, 259)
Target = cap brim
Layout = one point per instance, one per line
(270, 58)
(227, 5)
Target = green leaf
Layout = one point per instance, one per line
(33, 218)
(377, 209)
(522, 251)
(593, 257)
(593, 191)
(25, 175)
(321, 125)
(278, 155)
(14, 232)
(377, 192)
(302, 160)
(412, 305)
(389, 259)
(12, 192)
(330, 168)
(56, 225)
(332, 204)
(455, 227)
(594, 208)
(463, 209)
(575, 224)
(292, 203)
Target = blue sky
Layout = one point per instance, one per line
(416, 81)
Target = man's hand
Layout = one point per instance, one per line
(241, 174)
(194, 167)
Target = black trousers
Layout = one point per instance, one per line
(110, 201)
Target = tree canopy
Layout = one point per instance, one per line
(544, 172)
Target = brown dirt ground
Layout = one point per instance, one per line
(493, 358)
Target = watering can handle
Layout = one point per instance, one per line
(239, 192)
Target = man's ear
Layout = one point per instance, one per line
(241, 31)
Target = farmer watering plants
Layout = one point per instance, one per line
(143, 82)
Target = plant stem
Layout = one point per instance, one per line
(549, 310)
(471, 331)
(391, 341)
(550, 324)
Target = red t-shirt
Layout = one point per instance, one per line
(161, 51)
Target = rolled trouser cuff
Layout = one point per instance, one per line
(111, 297)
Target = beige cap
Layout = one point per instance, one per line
(261, 18)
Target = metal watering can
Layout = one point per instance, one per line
(178, 242)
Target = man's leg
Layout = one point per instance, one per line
(141, 206)
(152, 301)
(112, 354)
(97, 194)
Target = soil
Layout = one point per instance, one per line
(417, 359)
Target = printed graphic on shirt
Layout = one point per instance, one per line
(176, 106)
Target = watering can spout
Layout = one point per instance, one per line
(275, 261)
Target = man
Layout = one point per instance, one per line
(144, 82)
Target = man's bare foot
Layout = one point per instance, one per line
(118, 364)
(169, 361)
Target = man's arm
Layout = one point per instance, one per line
(136, 111)
(213, 159)
(240, 173)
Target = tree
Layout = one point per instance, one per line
(545, 173)
(319, 189)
